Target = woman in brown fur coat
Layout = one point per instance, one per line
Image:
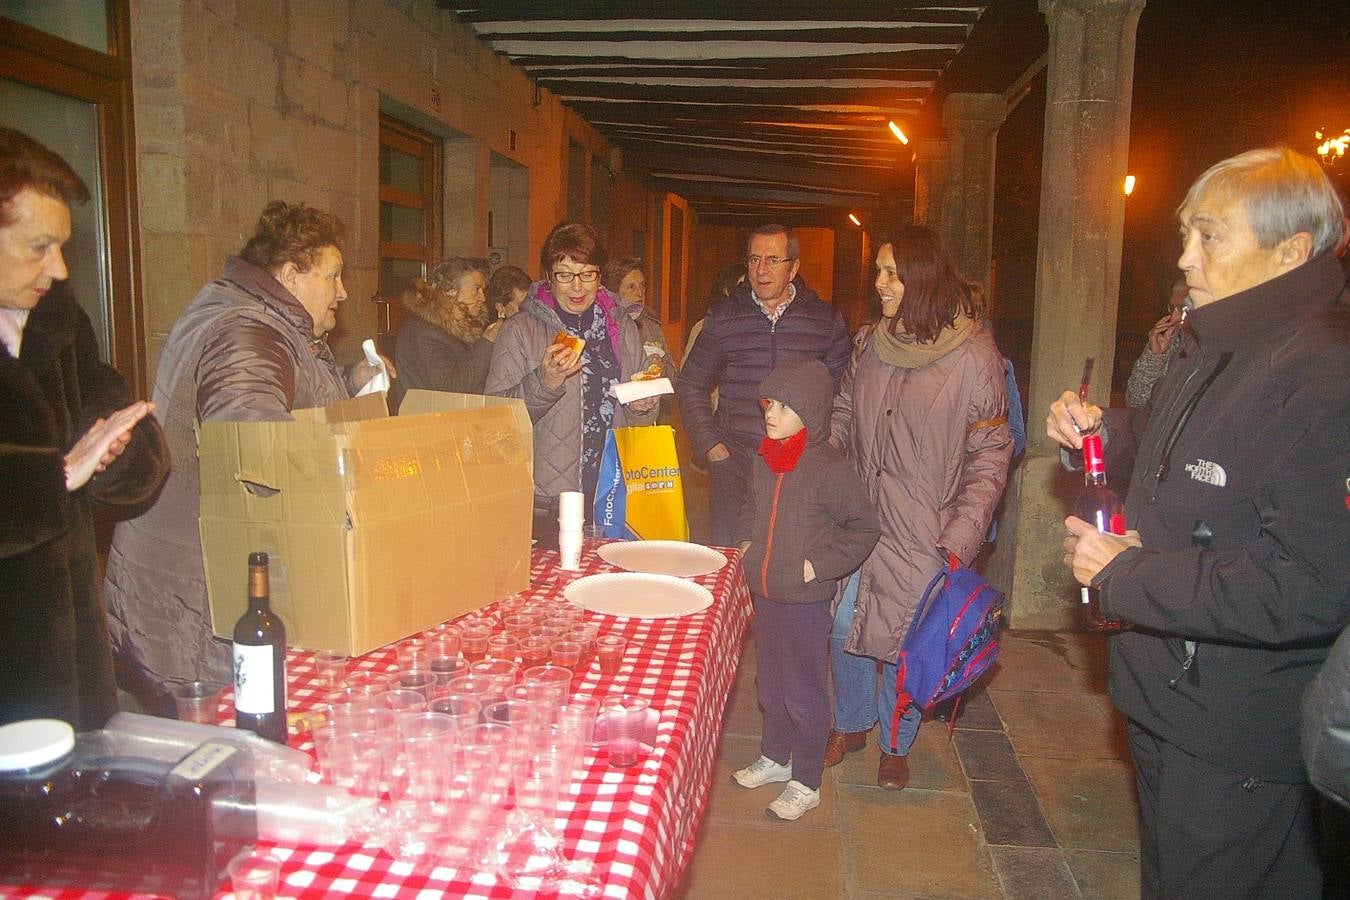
(446, 344)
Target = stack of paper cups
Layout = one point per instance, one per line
(571, 518)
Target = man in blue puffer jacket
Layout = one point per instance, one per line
(770, 318)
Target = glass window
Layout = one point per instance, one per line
(400, 170)
(79, 21)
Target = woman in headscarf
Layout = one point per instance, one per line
(568, 391)
(923, 412)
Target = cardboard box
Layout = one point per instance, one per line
(377, 526)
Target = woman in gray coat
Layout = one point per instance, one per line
(250, 347)
(923, 412)
(568, 392)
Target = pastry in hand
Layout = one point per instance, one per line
(651, 373)
(570, 341)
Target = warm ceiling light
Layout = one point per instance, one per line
(899, 135)
(853, 217)
(1129, 185)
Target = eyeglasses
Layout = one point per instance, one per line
(772, 262)
(588, 277)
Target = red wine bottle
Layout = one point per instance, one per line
(260, 660)
(1100, 506)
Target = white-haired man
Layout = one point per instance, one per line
(1236, 574)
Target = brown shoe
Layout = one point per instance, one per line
(893, 772)
(842, 743)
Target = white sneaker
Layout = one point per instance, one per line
(761, 772)
(795, 800)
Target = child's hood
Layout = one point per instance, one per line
(806, 386)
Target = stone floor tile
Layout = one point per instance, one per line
(977, 710)
(1031, 873)
(1089, 803)
(1009, 814)
(1069, 726)
(987, 756)
(732, 804)
(1059, 662)
(914, 844)
(769, 862)
(1105, 875)
(933, 765)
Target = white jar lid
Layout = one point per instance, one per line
(35, 742)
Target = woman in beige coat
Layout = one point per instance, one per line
(923, 412)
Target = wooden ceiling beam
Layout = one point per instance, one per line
(591, 10)
(658, 112)
(721, 72)
(738, 166)
(902, 34)
(781, 96)
(892, 59)
(722, 190)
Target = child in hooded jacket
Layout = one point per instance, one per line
(807, 523)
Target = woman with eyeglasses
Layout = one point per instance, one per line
(566, 384)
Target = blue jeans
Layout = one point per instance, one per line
(857, 705)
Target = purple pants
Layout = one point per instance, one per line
(792, 642)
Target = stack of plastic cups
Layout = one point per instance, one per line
(571, 518)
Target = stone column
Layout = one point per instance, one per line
(972, 122)
(930, 183)
(1087, 124)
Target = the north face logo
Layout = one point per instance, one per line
(1208, 472)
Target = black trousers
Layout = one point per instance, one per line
(729, 480)
(1205, 831)
(792, 683)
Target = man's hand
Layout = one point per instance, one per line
(558, 364)
(1087, 551)
(643, 406)
(718, 453)
(1160, 335)
(102, 443)
(1070, 419)
(808, 571)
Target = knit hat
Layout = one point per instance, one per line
(805, 385)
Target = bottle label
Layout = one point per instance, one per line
(1094, 462)
(202, 761)
(253, 690)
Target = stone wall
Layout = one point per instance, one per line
(238, 102)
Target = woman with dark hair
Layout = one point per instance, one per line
(566, 384)
(626, 278)
(70, 434)
(446, 344)
(249, 347)
(506, 290)
(923, 412)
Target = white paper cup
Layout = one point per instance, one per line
(572, 509)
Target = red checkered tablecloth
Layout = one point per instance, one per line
(636, 825)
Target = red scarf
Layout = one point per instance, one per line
(782, 455)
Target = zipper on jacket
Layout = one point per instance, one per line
(768, 540)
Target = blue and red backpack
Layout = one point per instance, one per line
(951, 642)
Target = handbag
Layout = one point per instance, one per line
(640, 494)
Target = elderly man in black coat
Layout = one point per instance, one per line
(70, 434)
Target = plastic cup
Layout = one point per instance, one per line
(481, 687)
(625, 716)
(534, 650)
(503, 646)
(413, 653)
(518, 624)
(403, 700)
(577, 718)
(197, 701)
(446, 668)
(609, 651)
(557, 676)
(566, 654)
(331, 667)
(592, 536)
(465, 711)
(356, 760)
(473, 640)
(254, 876)
(421, 680)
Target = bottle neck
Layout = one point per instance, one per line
(1094, 461)
(258, 588)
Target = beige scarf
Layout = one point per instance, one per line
(903, 351)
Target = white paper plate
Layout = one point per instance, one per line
(663, 557)
(639, 595)
(628, 391)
